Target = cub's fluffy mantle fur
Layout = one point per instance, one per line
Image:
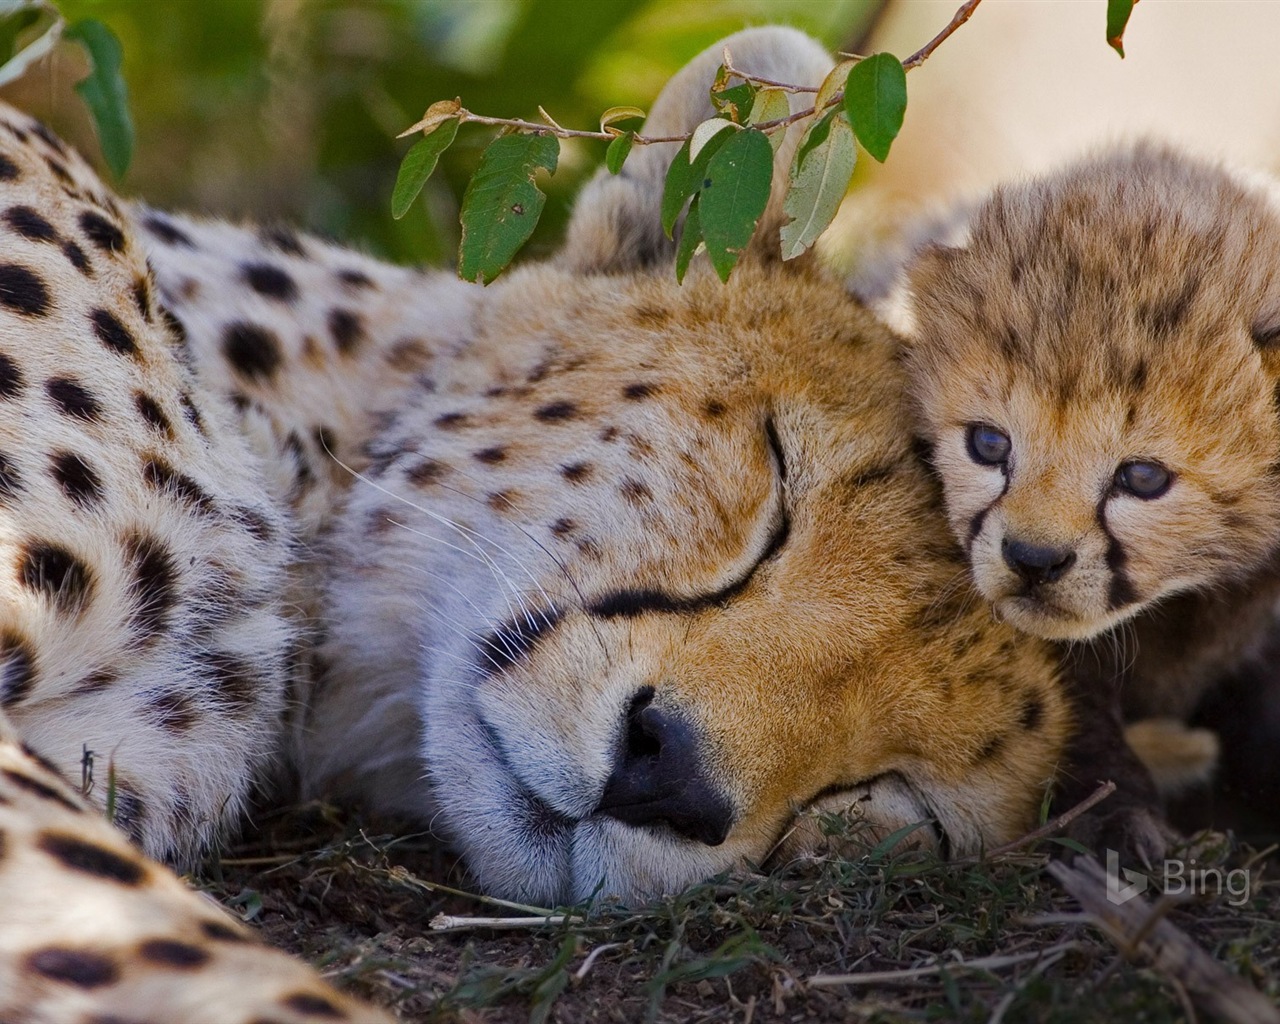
(1112, 332)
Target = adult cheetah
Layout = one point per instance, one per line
(605, 577)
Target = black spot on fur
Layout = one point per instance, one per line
(22, 291)
(563, 527)
(11, 379)
(303, 477)
(491, 456)
(221, 932)
(77, 478)
(515, 640)
(78, 967)
(142, 298)
(39, 789)
(153, 588)
(176, 326)
(60, 171)
(173, 712)
(167, 232)
(171, 953)
(254, 352)
(8, 169)
(347, 329)
(233, 680)
(53, 572)
(269, 280)
(192, 414)
(450, 420)
(255, 522)
(576, 472)
(1164, 315)
(51, 140)
(163, 477)
(992, 749)
(314, 1004)
(29, 224)
(17, 668)
(149, 409)
(553, 412)
(635, 492)
(714, 408)
(1032, 714)
(10, 478)
(101, 232)
(355, 278)
(112, 333)
(426, 472)
(76, 257)
(283, 239)
(89, 858)
(72, 398)
(635, 392)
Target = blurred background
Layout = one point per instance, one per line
(288, 109)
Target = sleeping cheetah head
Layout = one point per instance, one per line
(640, 571)
(1095, 362)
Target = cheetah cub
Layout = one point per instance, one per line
(1094, 357)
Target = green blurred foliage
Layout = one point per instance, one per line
(288, 109)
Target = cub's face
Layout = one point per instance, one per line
(1095, 367)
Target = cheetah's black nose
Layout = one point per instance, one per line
(658, 777)
(1036, 564)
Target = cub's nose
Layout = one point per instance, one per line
(1036, 564)
(659, 777)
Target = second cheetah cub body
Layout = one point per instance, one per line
(1095, 358)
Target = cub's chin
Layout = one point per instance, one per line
(1040, 617)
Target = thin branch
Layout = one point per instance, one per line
(760, 79)
(985, 963)
(1064, 819)
(465, 116)
(960, 17)
(451, 923)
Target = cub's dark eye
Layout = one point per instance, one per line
(1144, 480)
(987, 445)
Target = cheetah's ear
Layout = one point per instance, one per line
(616, 222)
(886, 277)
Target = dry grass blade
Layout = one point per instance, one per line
(1130, 926)
(985, 963)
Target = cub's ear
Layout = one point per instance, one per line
(616, 223)
(888, 275)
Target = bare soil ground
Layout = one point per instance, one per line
(988, 941)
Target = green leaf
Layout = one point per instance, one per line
(690, 239)
(817, 134)
(770, 105)
(619, 149)
(875, 98)
(684, 179)
(889, 843)
(418, 165)
(734, 195)
(819, 179)
(735, 102)
(620, 117)
(502, 205)
(1074, 845)
(104, 92)
(1118, 12)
